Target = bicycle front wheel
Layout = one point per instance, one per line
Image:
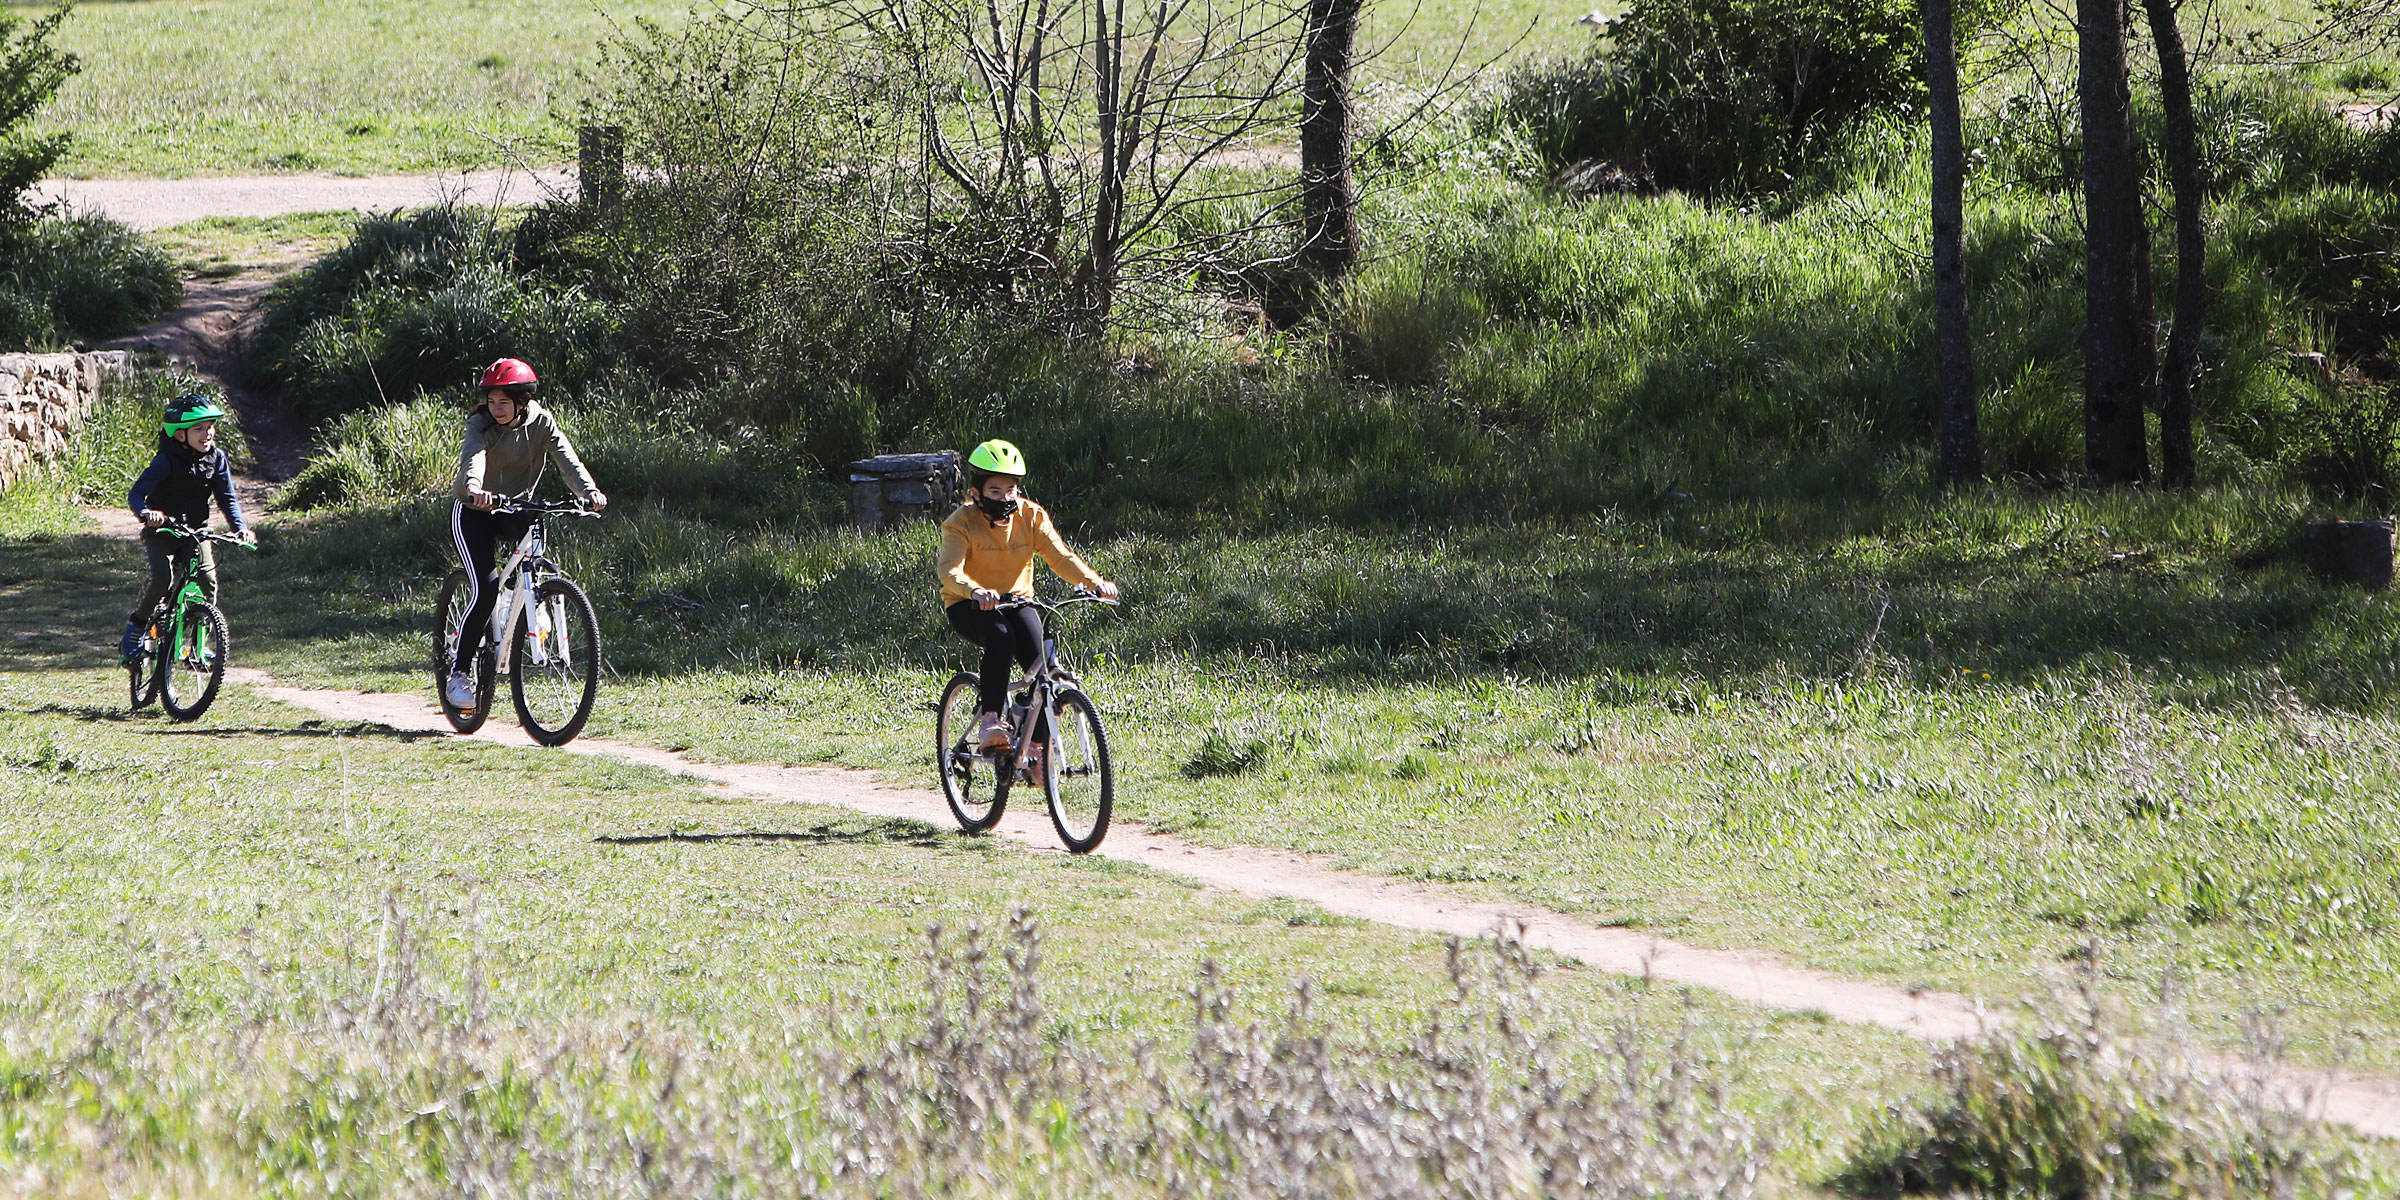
(1076, 776)
(449, 625)
(194, 664)
(975, 785)
(555, 672)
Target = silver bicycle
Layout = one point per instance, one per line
(1055, 739)
(544, 636)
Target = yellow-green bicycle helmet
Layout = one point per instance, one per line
(997, 457)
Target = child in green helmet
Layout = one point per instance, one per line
(988, 547)
(188, 471)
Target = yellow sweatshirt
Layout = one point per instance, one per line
(977, 553)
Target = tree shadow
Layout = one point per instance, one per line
(887, 831)
(306, 729)
(363, 729)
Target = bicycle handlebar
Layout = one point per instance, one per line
(1081, 596)
(548, 508)
(181, 530)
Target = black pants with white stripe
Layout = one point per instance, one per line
(476, 532)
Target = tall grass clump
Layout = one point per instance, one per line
(79, 279)
(391, 453)
(401, 1077)
(2072, 1104)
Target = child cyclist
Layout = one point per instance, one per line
(987, 557)
(188, 471)
(508, 437)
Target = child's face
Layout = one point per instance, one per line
(1000, 487)
(201, 437)
(503, 406)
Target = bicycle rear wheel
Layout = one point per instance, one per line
(554, 672)
(194, 664)
(975, 785)
(1077, 777)
(144, 672)
(449, 621)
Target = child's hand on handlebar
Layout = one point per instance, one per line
(249, 537)
(987, 599)
(153, 518)
(597, 500)
(481, 498)
(1106, 590)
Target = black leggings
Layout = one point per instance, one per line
(1015, 634)
(475, 532)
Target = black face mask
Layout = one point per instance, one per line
(998, 510)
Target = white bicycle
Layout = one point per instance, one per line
(543, 636)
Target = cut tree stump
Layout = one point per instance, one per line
(2353, 551)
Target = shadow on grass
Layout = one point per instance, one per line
(2011, 586)
(891, 831)
(364, 729)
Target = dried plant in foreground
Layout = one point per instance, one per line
(387, 1079)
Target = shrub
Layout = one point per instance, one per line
(2075, 1106)
(31, 70)
(1721, 96)
(79, 279)
(414, 302)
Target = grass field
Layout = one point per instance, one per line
(216, 87)
(249, 865)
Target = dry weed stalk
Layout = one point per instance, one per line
(383, 1079)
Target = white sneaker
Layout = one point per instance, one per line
(460, 691)
(990, 735)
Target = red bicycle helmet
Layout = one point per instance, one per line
(514, 374)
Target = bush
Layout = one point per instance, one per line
(2074, 1106)
(79, 279)
(1722, 96)
(31, 70)
(415, 302)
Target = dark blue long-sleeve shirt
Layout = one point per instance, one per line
(180, 483)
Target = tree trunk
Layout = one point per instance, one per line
(2118, 377)
(2177, 467)
(1108, 207)
(1953, 350)
(1328, 200)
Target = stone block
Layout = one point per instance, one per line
(2353, 551)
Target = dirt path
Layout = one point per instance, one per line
(159, 203)
(2368, 1104)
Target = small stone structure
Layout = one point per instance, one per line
(44, 399)
(891, 488)
(2353, 551)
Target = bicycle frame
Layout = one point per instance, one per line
(525, 570)
(1047, 676)
(180, 638)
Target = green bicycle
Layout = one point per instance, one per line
(181, 662)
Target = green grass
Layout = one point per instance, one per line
(207, 87)
(200, 87)
(239, 872)
(220, 246)
(1946, 745)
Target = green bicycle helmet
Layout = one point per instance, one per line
(190, 409)
(997, 457)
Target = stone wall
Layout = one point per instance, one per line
(43, 401)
